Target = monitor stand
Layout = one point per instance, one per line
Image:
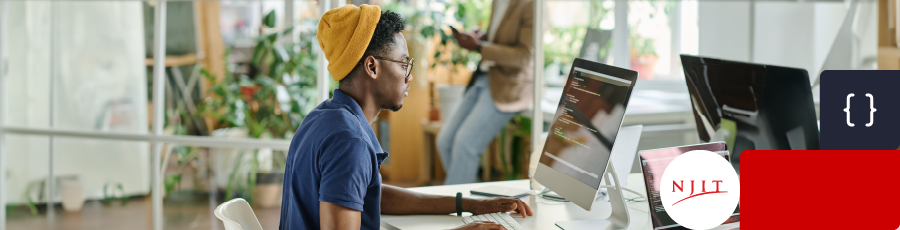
(618, 219)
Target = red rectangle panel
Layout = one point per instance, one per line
(819, 189)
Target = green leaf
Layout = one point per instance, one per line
(281, 54)
(428, 31)
(437, 54)
(265, 81)
(212, 79)
(258, 52)
(271, 37)
(275, 68)
(219, 90)
(232, 179)
(460, 12)
(269, 20)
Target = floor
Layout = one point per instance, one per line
(184, 210)
(190, 213)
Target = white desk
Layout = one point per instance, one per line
(546, 213)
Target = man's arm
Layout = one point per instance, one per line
(399, 201)
(332, 216)
(346, 170)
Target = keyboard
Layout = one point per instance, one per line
(501, 218)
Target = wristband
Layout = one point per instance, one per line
(459, 204)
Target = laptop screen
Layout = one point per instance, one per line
(654, 163)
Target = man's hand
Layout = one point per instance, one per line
(468, 41)
(498, 204)
(480, 225)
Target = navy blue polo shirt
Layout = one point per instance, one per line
(334, 157)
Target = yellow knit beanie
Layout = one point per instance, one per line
(344, 33)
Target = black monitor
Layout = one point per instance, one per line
(755, 106)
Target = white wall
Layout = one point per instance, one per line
(790, 34)
(724, 29)
(784, 34)
(100, 82)
(825, 18)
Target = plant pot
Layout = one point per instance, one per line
(449, 96)
(644, 64)
(72, 192)
(268, 191)
(223, 159)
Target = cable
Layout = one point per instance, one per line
(636, 199)
(626, 189)
(541, 194)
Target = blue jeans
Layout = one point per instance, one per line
(468, 131)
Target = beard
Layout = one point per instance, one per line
(394, 108)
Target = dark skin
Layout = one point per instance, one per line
(381, 85)
(469, 40)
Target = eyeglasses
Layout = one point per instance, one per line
(407, 64)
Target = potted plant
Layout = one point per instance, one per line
(71, 190)
(643, 52)
(68, 187)
(268, 101)
(643, 56)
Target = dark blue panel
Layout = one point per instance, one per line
(884, 86)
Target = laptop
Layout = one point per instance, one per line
(594, 41)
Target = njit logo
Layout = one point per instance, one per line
(700, 189)
(680, 186)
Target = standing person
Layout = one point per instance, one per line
(500, 87)
(332, 179)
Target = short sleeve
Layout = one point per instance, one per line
(346, 167)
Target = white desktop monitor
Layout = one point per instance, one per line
(624, 152)
(577, 152)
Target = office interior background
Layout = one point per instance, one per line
(79, 107)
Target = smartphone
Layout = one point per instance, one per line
(454, 29)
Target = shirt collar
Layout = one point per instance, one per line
(356, 110)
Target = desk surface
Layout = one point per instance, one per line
(546, 213)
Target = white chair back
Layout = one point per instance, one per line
(236, 214)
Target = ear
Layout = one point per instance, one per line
(370, 66)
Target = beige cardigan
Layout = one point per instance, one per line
(511, 49)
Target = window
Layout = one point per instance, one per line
(659, 32)
(79, 93)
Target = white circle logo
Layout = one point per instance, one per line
(700, 189)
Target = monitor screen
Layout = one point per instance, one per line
(654, 163)
(587, 120)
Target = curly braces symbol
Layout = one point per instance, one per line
(847, 110)
(871, 110)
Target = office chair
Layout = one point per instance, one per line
(236, 214)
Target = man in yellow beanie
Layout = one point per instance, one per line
(332, 178)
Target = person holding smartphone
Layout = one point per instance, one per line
(501, 87)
